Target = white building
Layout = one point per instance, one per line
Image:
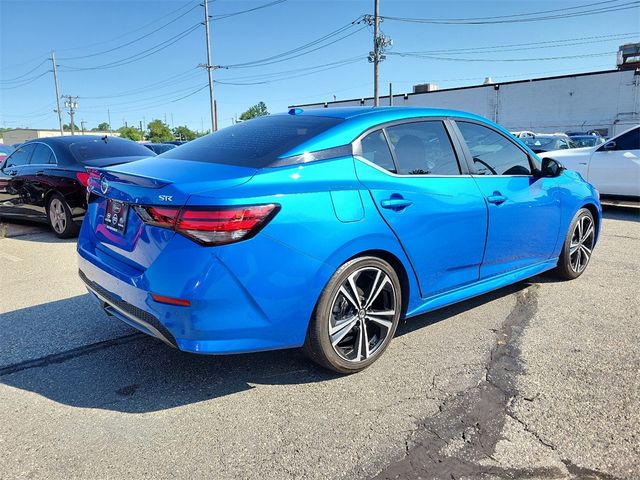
(608, 101)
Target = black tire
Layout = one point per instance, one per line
(578, 246)
(368, 322)
(60, 218)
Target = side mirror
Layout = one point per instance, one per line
(609, 146)
(551, 168)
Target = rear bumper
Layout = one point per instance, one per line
(242, 309)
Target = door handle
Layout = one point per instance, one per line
(497, 198)
(39, 173)
(396, 203)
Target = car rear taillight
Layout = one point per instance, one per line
(211, 225)
(83, 178)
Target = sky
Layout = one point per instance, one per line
(138, 60)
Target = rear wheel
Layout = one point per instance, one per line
(578, 246)
(356, 316)
(60, 218)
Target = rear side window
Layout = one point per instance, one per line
(20, 157)
(42, 155)
(256, 143)
(423, 148)
(493, 154)
(84, 151)
(376, 149)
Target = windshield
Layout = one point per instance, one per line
(539, 141)
(85, 151)
(590, 141)
(256, 143)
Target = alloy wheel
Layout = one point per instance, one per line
(57, 216)
(582, 241)
(362, 314)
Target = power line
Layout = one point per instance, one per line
(523, 17)
(450, 59)
(169, 81)
(11, 80)
(26, 82)
(233, 14)
(138, 56)
(134, 40)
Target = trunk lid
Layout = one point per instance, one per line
(170, 186)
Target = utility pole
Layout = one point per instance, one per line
(390, 94)
(55, 80)
(109, 120)
(82, 122)
(380, 43)
(71, 104)
(209, 67)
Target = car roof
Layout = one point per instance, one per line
(69, 139)
(359, 119)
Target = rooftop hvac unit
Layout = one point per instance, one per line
(629, 56)
(425, 87)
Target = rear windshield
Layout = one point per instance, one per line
(84, 151)
(256, 143)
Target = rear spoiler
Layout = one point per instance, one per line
(97, 175)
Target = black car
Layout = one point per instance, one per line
(45, 179)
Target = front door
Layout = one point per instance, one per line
(11, 182)
(437, 213)
(614, 168)
(524, 210)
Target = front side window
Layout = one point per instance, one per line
(423, 148)
(493, 154)
(20, 157)
(376, 149)
(629, 141)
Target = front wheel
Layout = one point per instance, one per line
(60, 218)
(578, 246)
(356, 316)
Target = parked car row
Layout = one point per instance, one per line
(45, 180)
(545, 142)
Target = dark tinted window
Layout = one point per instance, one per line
(423, 148)
(85, 150)
(20, 157)
(493, 154)
(629, 141)
(255, 143)
(376, 149)
(42, 155)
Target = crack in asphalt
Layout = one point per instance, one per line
(67, 355)
(469, 424)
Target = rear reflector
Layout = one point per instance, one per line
(180, 302)
(211, 225)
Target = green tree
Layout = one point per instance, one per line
(130, 133)
(67, 127)
(258, 110)
(159, 132)
(102, 127)
(184, 133)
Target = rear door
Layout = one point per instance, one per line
(524, 210)
(435, 209)
(615, 170)
(12, 192)
(37, 180)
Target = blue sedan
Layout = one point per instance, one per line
(323, 228)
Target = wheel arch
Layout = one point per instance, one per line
(398, 267)
(595, 212)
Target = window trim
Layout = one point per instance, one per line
(455, 145)
(43, 164)
(533, 164)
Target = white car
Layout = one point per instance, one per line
(612, 167)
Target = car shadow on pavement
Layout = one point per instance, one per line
(30, 232)
(125, 371)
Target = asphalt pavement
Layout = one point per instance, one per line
(537, 380)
